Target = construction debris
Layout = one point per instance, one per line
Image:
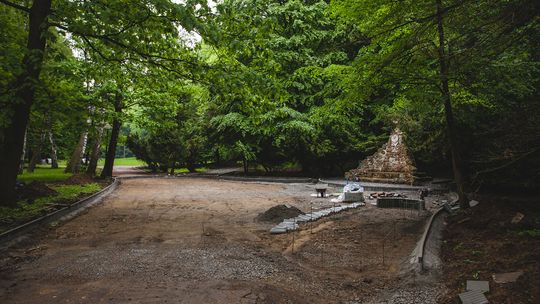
(473, 203)
(478, 285)
(475, 292)
(473, 297)
(375, 195)
(517, 218)
(508, 277)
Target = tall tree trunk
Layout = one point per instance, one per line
(74, 164)
(94, 155)
(54, 152)
(13, 135)
(36, 155)
(457, 165)
(111, 151)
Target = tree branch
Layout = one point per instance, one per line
(15, 5)
(491, 170)
(107, 38)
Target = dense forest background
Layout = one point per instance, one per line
(279, 85)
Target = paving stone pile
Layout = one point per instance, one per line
(291, 224)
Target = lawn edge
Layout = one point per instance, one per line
(63, 214)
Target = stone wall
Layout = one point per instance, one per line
(392, 163)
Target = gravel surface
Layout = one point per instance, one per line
(197, 241)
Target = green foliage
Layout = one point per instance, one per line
(493, 79)
(171, 135)
(286, 94)
(533, 233)
(314, 83)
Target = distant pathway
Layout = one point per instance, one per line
(129, 170)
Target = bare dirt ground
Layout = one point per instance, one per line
(484, 240)
(196, 241)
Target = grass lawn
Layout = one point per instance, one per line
(128, 161)
(185, 170)
(44, 174)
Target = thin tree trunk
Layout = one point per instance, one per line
(94, 155)
(12, 143)
(457, 165)
(246, 166)
(111, 151)
(54, 152)
(74, 164)
(36, 155)
(21, 166)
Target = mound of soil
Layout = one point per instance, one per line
(278, 213)
(79, 179)
(34, 190)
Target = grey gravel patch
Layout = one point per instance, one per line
(423, 294)
(186, 263)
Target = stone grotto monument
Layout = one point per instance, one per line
(392, 163)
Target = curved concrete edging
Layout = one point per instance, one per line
(63, 214)
(421, 247)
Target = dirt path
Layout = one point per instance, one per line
(129, 170)
(196, 241)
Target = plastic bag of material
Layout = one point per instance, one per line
(353, 187)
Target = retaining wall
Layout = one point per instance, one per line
(399, 202)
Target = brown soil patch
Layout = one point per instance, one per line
(197, 241)
(79, 179)
(482, 241)
(278, 213)
(346, 250)
(34, 190)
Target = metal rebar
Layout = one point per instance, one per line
(383, 252)
(311, 220)
(294, 229)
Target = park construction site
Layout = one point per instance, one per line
(210, 240)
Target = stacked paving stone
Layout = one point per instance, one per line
(293, 223)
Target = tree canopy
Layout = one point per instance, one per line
(310, 85)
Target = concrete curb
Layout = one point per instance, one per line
(374, 188)
(282, 180)
(63, 214)
(425, 236)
